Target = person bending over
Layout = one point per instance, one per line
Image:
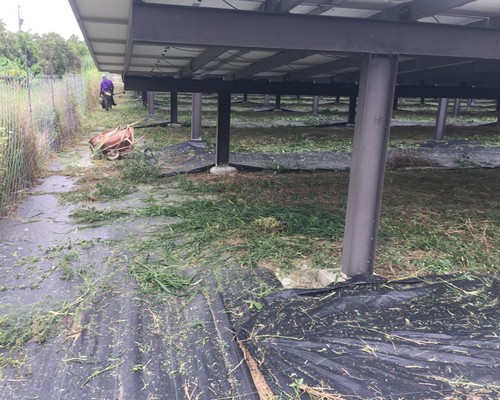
(107, 86)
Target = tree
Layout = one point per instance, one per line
(18, 50)
(80, 51)
(56, 56)
(49, 53)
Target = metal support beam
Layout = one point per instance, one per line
(150, 99)
(441, 118)
(173, 108)
(326, 68)
(196, 116)
(178, 25)
(416, 9)
(278, 60)
(223, 128)
(163, 84)
(371, 136)
(201, 61)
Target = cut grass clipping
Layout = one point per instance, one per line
(158, 277)
(17, 328)
(93, 216)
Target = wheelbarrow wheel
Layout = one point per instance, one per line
(113, 155)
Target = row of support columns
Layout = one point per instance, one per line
(149, 101)
(371, 136)
(197, 106)
(371, 114)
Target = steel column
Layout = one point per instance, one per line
(371, 136)
(150, 96)
(395, 103)
(351, 118)
(278, 102)
(223, 128)
(173, 108)
(196, 117)
(315, 105)
(456, 107)
(441, 118)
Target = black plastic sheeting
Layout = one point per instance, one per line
(369, 338)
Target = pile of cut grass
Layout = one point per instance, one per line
(433, 221)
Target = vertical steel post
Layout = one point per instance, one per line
(441, 119)
(395, 103)
(266, 100)
(315, 106)
(223, 128)
(371, 136)
(173, 108)
(150, 98)
(278, 102)
(351, 118)
(456, 107)
(196, 116)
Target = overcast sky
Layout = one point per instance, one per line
(40, 16)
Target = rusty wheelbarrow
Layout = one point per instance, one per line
(115, 142)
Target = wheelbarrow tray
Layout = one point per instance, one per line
(114, 142)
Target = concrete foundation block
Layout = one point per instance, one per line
(223, 170)
(329, 276)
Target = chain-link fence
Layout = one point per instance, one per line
(36, 116)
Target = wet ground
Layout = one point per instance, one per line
(113, 340)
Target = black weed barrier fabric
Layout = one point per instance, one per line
(436, 337)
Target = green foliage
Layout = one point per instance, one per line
(49, 53)
(56, 56)
(9, 68)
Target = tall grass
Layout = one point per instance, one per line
(36, 117)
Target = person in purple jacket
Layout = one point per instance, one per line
(107, 86)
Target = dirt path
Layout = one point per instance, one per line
(69, 286)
